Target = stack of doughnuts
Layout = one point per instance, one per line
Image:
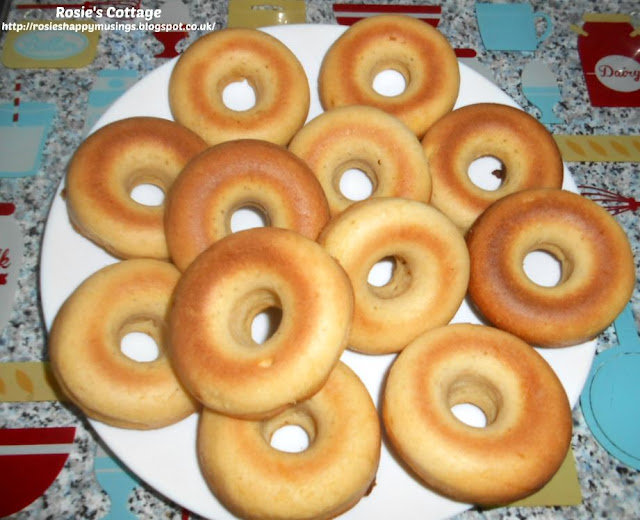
(183, 276)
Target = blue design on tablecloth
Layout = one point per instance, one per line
(22, 141)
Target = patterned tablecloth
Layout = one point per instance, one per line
(63, 102)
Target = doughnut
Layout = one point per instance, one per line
(430, 270)
(240, 174)
(218, 59)
(105, 169)
(337, 468)
(367, 139)
(529, 155)
(85, 347)
(528, 417)
(597, 267)
(216, 300)
(410, 47)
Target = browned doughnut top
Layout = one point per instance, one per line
(241, 174)
(526, 149)
(105, 169)
(256, 480)
(598, 270)
(528, 418)
(216, 301)
(406, 45)
(368, 139)
(429, 279)
(222, 57)
(85, 347)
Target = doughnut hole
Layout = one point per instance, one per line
(292, 431)
(238, 94)
(148, 187)
(547, 265)
(487, 172)
(389, 277)
(142, 339)
(248, 216)
(390, 78)
(474, 400)
(355, 180)
(256, 317)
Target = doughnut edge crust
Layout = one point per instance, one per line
(222, 291)
(105, 168)
(230, 55)
(366, 138)
(331, 476)
(240, 174)
(84, 347)
(529, 425)
(529, 155)
(415, 49)
(598, 269)
(430, 276)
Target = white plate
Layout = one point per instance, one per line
(166, 458)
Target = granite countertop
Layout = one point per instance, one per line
(609, 488)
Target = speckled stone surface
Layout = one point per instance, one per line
(610, 489)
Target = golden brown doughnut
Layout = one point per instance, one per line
(85, 347)
(255, 480)
(216, 301)
(429, 280)
(416, 50)
(370, 140)
(234, 175)
(528, 417)
(105, 169)
(598, 270)
(220, 58)
(526, 149)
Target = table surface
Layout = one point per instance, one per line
(609, 488)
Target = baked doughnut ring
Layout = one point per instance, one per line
(414, 49)
(255, 480)
(431, 269)
(240, 174)
(597, 267)
(85, 347)
(368, 139)
(528, 417)
(216, 301)
(527, 151)
(218, 59)
(105, 169)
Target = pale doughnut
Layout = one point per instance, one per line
(230, 55)
(406, 45)
(367, 139)
(526, 149)
(240, 174)
(429, 280)
(216, 301)
(528, 417)
(598, 269)
(85, 347)
(255, 480)
(105, 169)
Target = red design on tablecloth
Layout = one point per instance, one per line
(611, 201)
(609, 50)
(7, 208)
(30, 460)
(348, 14)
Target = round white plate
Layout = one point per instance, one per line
(166, 458)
